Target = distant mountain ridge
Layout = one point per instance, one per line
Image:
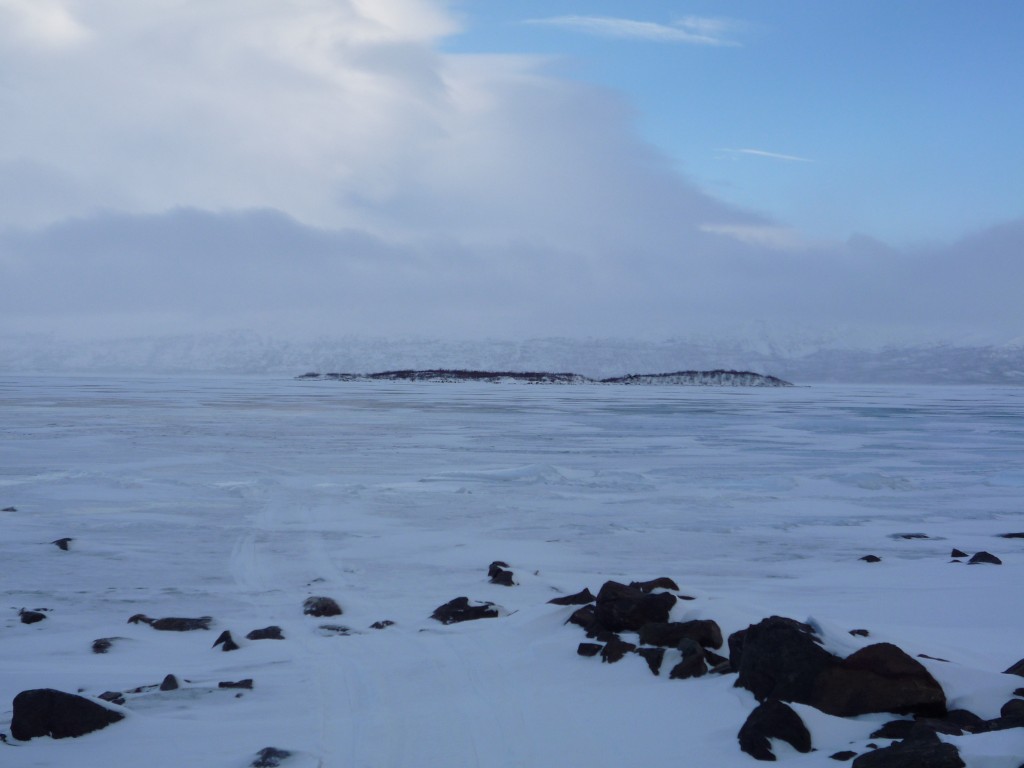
(716, 378)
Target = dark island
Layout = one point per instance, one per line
(716, 378)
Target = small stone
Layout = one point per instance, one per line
(957, 553)
(503, 578)
(1016, 669)
(588, 649)
(102, 645)
(615, 649)
(871, 559)
(114, 697)
(773, 720)
(226, 642)
(9, 509)
(459, 610)
(246, 683)
(267, 633)
(382, 624)
(692, 665)
(496, 566)
(62, 543)
(984, 557)
(663, 582)
(321, 606)
(170, 683)
(654, 658)
(843, 756)
(334, 630)
(580, 598)
(1019, 535)
(30, 617)
(270, 757)
(860, 633)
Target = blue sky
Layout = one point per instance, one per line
(500, 168)
(910, 113)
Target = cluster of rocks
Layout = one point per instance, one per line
(980, 557)
(782, 661)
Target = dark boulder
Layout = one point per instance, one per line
(588, 649)
(957, 553)
(664, 582)
(114, 697)
(1013, 708)
(48, 712)
(170, 683)
(735, 643)
(871, 559)
(692, 664)
(382, 624)
(321, 606)
(1017, 535)
(585, 617)
(625, 609)
(30, 617)
(270, 757)
(226, 642)
(878, 678)
(773, 720)
(1016, 669)
(860, 633)
(503, 578)
(843, 756)
(9, 509)
(496, 566)
(925, 751)
(246, 684)
(984, 557)
(172, 624)
(580, 598)
(62, 543)
(779, 658)
(459, 609)
(669, 634)
(615, 649)
(103, 644)
(267, 633)
(654, 658)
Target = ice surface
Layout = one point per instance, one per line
(238, 497)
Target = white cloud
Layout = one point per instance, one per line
(691, 30)
(45, 24)
(772, 155)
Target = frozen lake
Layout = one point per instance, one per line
(238, 497)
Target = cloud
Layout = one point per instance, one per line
(45, 24)
(772, 155)
(690, 30)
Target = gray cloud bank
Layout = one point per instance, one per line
(324, 169)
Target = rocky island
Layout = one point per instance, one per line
(715, 378)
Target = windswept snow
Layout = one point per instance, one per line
(238, 498)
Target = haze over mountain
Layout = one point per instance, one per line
(340, 169)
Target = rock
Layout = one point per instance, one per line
(226, 642)
(921, 752)
(48, 712)
(584, 617)
(332, 630)
(9, 509)
(114, 697)
(503, 577)
(382, 624)
(62, 543)
(878, 678)
(654, 658)
(172, 624)
(871, 559)
(911, 536)
(615, 649)
(1016, 669)
(669, 634)
(625, 609)
(103, 644)
(692, 665)
(170, 683)
(270, 757)
(1019, 535)
(496, 566)
(663, 582)
(773, 720)
(321, 606)
(957, 553)
(984, 557)
(267, 633)
(1013, 708)
(860, 633)
(459, 609)
(580, 598)
(779, 658)
(31, 617)
(246, 684)
(735, 642)
(843, 756)
(588, 649)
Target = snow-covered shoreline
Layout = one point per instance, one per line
(239, 498)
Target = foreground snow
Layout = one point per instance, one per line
(239, 498)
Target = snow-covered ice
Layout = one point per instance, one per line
(239, 497)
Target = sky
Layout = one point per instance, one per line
(511, 169)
